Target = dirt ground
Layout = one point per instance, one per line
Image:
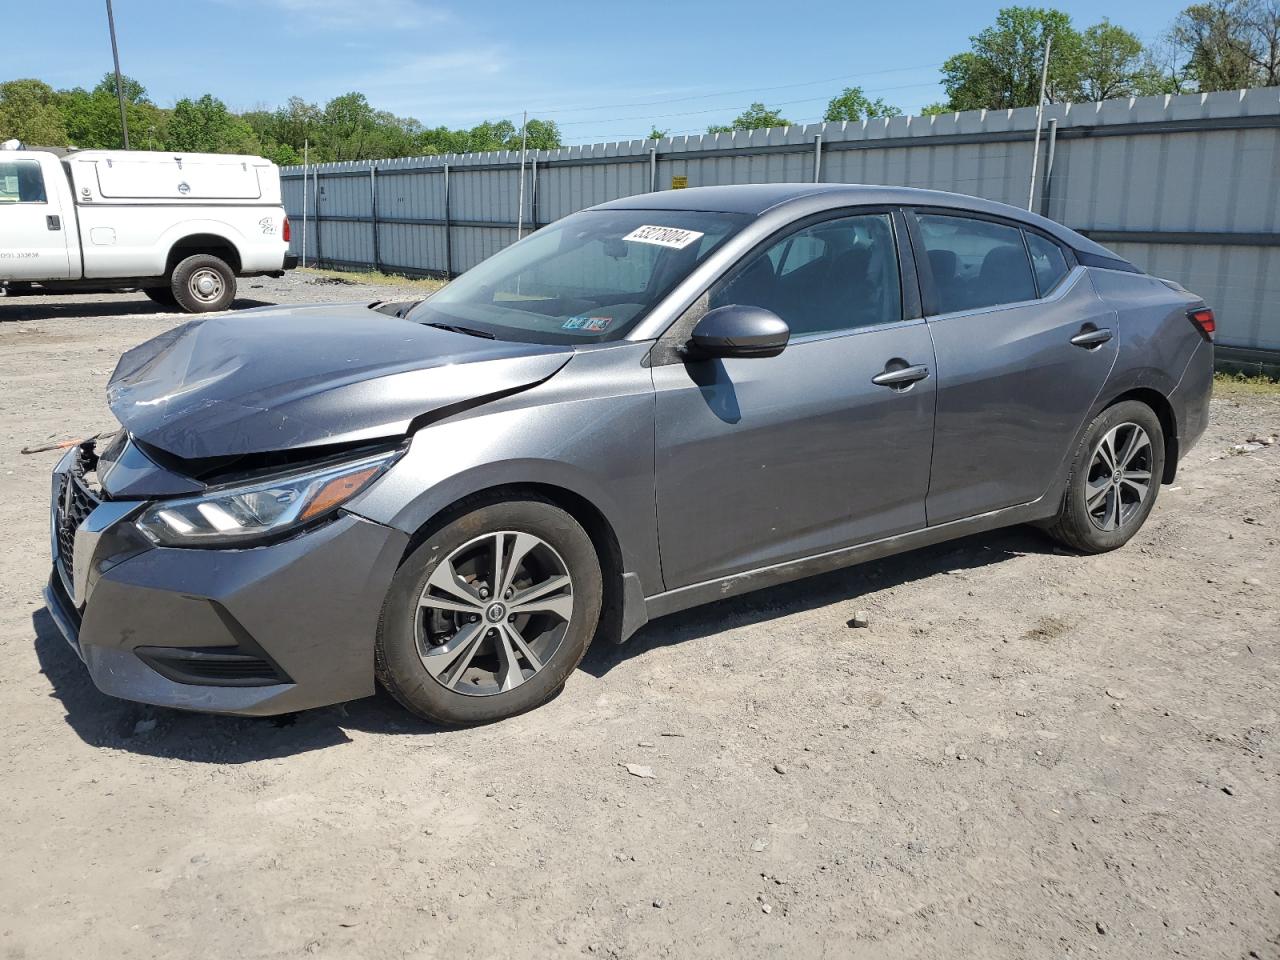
(1028, 753)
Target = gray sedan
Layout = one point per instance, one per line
(652, 404)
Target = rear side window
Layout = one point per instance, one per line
(975, 263)
(1048, 261)
(21, 182)
(832, 276)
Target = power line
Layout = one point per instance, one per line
(723, 107)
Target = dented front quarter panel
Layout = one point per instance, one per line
(589, 431)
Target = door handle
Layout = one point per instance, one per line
(1092, 337)
(900, 377)
(53, 222)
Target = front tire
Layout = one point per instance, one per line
(1115, 478)
(203, 283)
(491, 614)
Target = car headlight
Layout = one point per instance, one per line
(245, 513)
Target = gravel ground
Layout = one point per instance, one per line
(1027, 753)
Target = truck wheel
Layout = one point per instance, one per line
(202, 283)
(161, 295)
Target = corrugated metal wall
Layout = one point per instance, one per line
(1188, 187)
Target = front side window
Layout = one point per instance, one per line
(21, 182)
(835, 275)
(1048, 261)
(587, 278)
(975, 263)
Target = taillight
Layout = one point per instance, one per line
(286, 240)
(1203, 319)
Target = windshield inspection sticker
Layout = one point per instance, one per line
(672, 237)
(587, 324)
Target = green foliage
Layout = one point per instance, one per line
(1229, 44)
(1002, 69)
(853, 104)
(755, 117)
(207, 126)
(1217, 45)
(657, 134)
(1112, 64)
(29, 112)
(934, 109)
(345, 128)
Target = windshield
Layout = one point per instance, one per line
(587, 278)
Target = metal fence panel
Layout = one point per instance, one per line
(1185, 186)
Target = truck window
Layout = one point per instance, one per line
(21, 182)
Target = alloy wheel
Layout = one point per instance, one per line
(1119, 479)
(493, 613)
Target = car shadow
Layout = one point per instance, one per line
(967, 553)
(103, 721)
(17, 309)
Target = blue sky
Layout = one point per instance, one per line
(604, 71)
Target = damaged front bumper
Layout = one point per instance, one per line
(255, 630)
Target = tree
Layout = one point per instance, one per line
(207, 126)
(542, 135)
(29, 112)
(853, 104)
(1002, 70)
(755, 117)
(1229, 44)
(92, 117)
(1112, 63)
(656, 134)
(934, 109)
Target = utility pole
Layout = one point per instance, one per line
(524, 123)
(306, 156)
(1035, 156)
(115, 55)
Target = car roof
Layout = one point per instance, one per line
(757, 199)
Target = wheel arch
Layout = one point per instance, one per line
(1164, 411)
(588, 515)
(211, 243)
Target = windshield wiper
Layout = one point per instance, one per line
(469, 331)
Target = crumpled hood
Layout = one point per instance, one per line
(281, 378)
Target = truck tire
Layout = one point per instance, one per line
(162, 296)
(203, 283)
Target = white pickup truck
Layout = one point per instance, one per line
(180, 228)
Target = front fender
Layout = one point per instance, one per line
(598, 449)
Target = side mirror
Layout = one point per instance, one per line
(739, 331)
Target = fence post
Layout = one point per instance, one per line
(1047, 185)
(817, 158)
(448, 230)
(533, 194)
(316, 197)
(373, 214)
(653, 169)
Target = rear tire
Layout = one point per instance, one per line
(457, 649)
(1114, 481)
(162, 296)
(203, 283)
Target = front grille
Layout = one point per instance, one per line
(75, 503)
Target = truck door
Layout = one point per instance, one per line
(33, 231)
